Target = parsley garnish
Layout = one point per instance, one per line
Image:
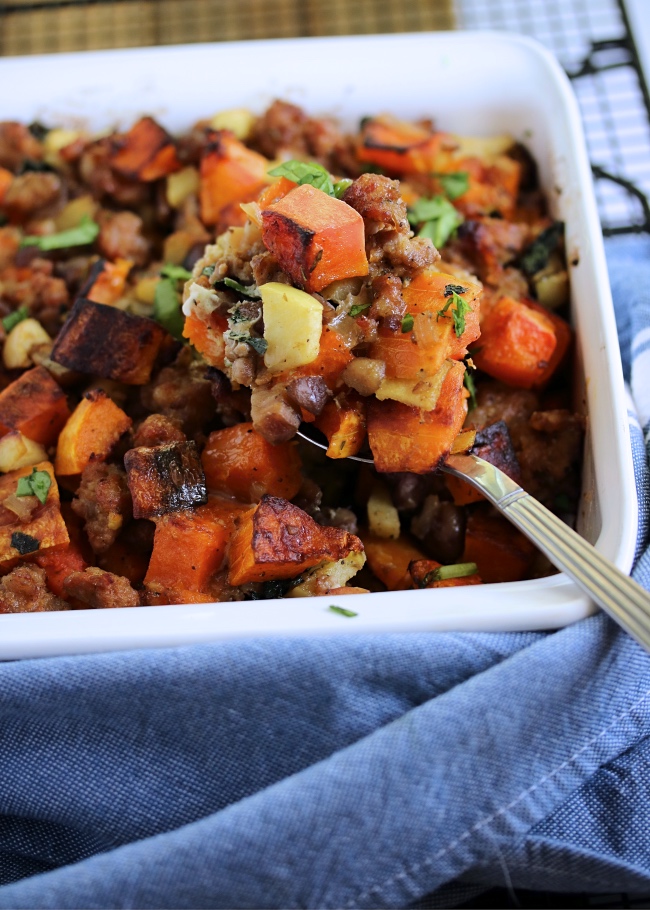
(302, 172)
(460, 570)
(438, 219)
(358, 308)
(407, 323)
(247, 291)
(208, 270)
(35, 484)
(82, 234)
(175, 272)
(167, 307)
(14, 318)
(341, 186)
(257, 344)
(461, 309)
(454, 184)
(341, 610)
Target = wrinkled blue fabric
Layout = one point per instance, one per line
(365, 772)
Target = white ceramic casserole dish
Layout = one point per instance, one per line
(470, 83)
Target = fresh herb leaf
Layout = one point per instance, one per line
(454, 184)
(24, 543)
(167, 307)
(461, 309)
(14, 318)
(407, 323)
(81, 235)
(358, 308)
(460, 570)
(535, 257)
(247, 291)
(175, 272)
(438, 219)
(341, 186)
(302, 172)
(341, 610)
(454, 289)
(254, 341)
(470, 385)
(208, 270)
(35, 484)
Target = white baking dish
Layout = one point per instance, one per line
(470, 83)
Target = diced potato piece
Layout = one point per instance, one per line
(293, 322)
(487, 148)
(104, 341)
(383, 517)
(16, 353)
(238, 120)
(180, 185)
(34, 404)
(91, 432)
(17, 451)
(43, 528)
(552, 288)
(145, 289)
(166, 478)
(329, 576)
(423, 393)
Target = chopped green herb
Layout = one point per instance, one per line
(357, 308)
(535, 257)
(14, 318)
(257, 344)
(455, 184)
(246, 290)
(82, 234)
(302, 172)
(341, 186)
(35, 484)
(167, 308)
(341, 610)
(461, 309)
(208, 270)
(460, 570)
(454, 289)
(407, 323)
(470, 385)
(24, 543)
(175, 272)
(438, 219)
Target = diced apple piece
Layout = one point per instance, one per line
(17, 451)
(28, 334)
(422, 393)
(383, 517)
(293, 323)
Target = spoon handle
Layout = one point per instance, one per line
(621, 597)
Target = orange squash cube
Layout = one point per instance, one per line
(35, 405)
(229, 173)
(42, 529)
(146, 152)
(91, 432)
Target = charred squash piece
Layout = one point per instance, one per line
(108, 342)
(229, 173)
(145, 153)
(494, 444)
(389, 559)
(278, 540)
(398, 147)
(404, 438)
(499, 550)
(41, 528)
(189, 547)
(343, 422)
(422, 570)
(165, 478)
(518, 343)
(107, 281)
(91, 432)
(34, 405)
(239, 461)
(316, 238)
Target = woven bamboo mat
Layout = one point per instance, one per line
(50, 26)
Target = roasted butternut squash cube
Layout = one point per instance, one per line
(399, 147)
(500, 551)
(316, 238)
(107, 281)
(343, 422)
(229, 173)
(108, 342)
(34, 405)
(166, 478)
(146, 152)
(91, 432)
(277, 540)
(389, 559)
(37, 525)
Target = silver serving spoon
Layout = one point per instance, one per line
(619, 596)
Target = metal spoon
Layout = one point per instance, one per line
(620, 597)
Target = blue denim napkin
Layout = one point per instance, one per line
(366, 772)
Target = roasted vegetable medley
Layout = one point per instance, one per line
(174, 308)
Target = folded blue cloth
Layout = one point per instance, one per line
(365, 772)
